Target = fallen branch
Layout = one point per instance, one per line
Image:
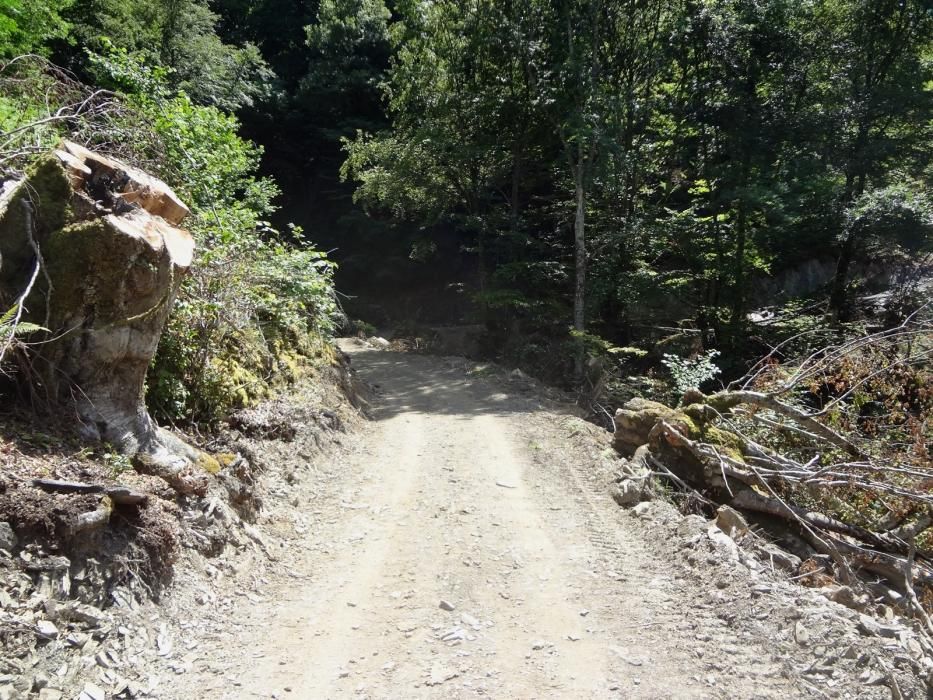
(749, 500)
(119, 495)
(727, 400)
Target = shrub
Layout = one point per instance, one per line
(258, 306)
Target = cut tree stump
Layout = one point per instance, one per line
(98, 246)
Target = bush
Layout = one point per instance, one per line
(692, 373)
(258, 306)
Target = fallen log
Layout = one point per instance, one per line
(750, 500)
(727, 467)
(727, 400)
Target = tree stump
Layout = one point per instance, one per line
(100, 244)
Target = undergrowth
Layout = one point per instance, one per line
(258, 306)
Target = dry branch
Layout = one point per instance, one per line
(728, 400)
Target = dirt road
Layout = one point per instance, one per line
(460, 555)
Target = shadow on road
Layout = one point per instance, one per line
(410, 383)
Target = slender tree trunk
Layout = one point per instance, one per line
(579, 292)
(737, 318)
(579, 237)
(838, 299)
(515, 198)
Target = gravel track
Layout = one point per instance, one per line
(462, 492)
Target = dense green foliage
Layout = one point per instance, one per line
(616, 177)
(28, 26)
(697, 148)
(258, 307)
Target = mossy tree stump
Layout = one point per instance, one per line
(107, 241)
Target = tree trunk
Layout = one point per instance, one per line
(737, 317)
(579, 292)
(838, 299)
(579, 237)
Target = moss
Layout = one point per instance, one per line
(51, 191)
(291, 365)
(226, 459)
(88, 263)
(729, 443)
(47, 190)
(697, 419)
(207, 463)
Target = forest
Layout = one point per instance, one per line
(624, 198)
(706, 224)
(587, 180)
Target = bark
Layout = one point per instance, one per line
(579, 238)
(838, 299)
(725, 467)
(727, 400)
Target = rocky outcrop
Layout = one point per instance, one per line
(93, 251)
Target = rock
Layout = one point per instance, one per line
(50, 694)
(776, 556)
(40, 681)
(46, 564)
(869, 626)
(441, 674)
(516, 375)
(46, 629)
(691, 526)
(659, 511)
(88, 614)
(8, 539)
(378, 342)
(801, 634)
(456, 634)
(846, 596)
(633, 468)
(628, 492)
(723, 542)
(92, 692)
(731, 522)
(446, 605)
(642, 510)
(77, 639)
(470, 621)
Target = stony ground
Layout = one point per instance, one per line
(463, 543)
(467, 546)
